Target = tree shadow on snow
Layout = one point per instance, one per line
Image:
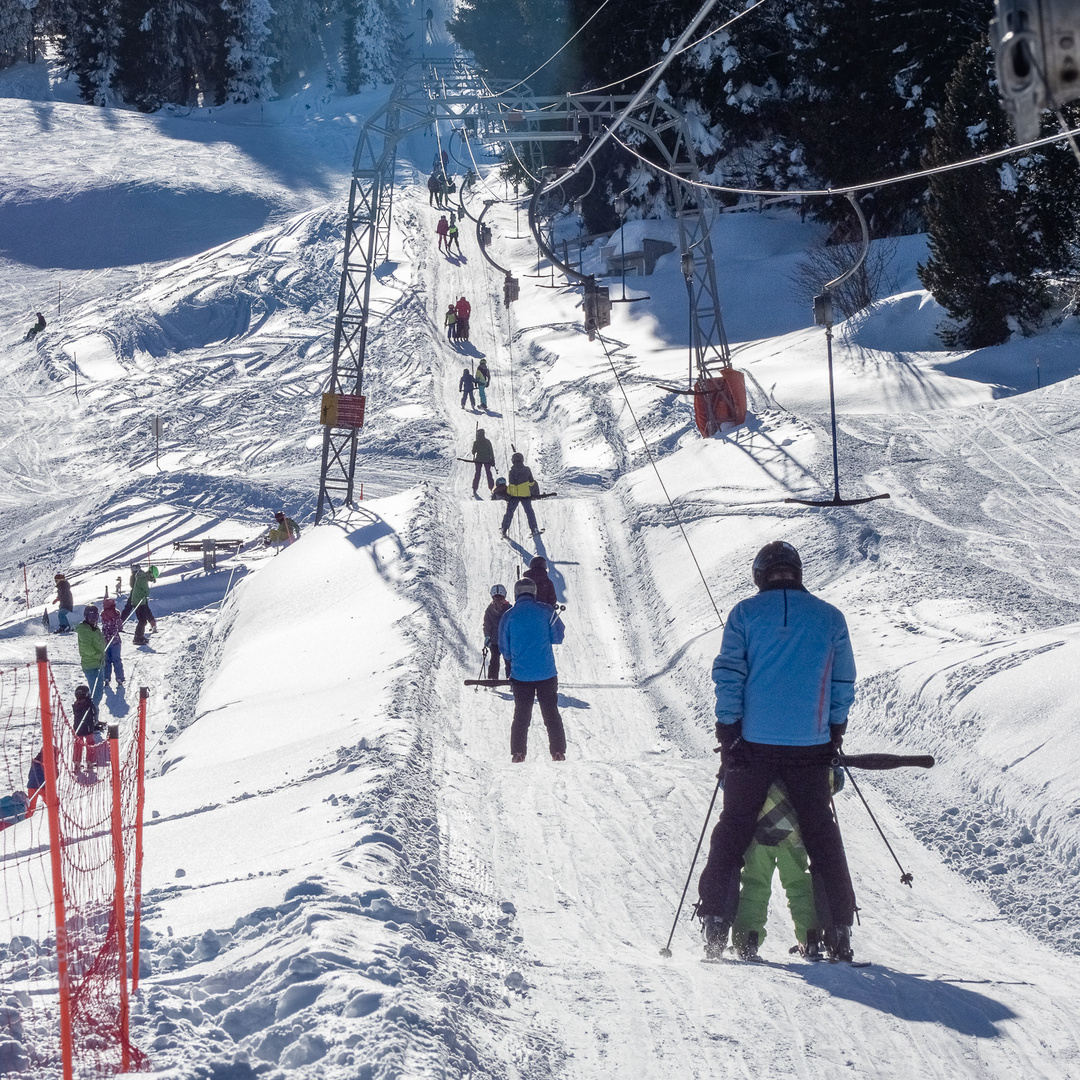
(913, 998)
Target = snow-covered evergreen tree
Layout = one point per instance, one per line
(983, 243)
(371, 31)
(248, 60)
(16, 23)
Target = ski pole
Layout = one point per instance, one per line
(905, 877)
(483, 665)
(666, 950)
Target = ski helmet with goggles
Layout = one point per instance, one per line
(498, 590)
(90, 613)
(777, 556)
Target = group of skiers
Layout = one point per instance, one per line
(479, 381)
(522, 636)
(449, 234)
(456, 320)
(441, 187)
(518, 488)
(784, 682)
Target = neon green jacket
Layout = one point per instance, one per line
(91, 645)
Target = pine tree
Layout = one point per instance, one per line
(16, 23)
(293, 41)
(248, 62)
(371, 32)
(982, 242)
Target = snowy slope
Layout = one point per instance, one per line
(345, 875)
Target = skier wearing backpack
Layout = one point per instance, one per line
(527, 633)
(64, 603)
(483, 381)
(785, 681)
(465, 385)
(92, 652)
(519, 491)
(545, 588)
(498, 607)
(111, 625)
(483, 454)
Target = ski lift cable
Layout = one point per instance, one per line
(521, 82)
(510, 143)
(646, 88)
(659, 478)
(852, 189)
(685, 48)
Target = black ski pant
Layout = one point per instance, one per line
(804, 772)
(493, 663)
(480, 465)
(512, 505)
(546, 691)
(143, 615)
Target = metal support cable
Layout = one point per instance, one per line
(851, 189)
(659, 478)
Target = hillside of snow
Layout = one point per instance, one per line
(345, 876)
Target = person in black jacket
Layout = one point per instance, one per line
(519, 489)
(64, 603)
(545, 587)
(36, 328)
(492, 616)
(84, 715)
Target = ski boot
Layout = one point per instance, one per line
(557, 756)
(812, 949)
(746, 946)
(838, 944)
(716, 936)
(516, 759)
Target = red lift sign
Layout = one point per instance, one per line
(342, 410)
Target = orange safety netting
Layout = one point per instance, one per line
(81, 1018)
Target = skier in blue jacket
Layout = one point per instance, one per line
(785, 680)
(527, 633)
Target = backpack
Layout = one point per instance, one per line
(14, 808)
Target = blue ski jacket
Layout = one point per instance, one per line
(526, 635)
(785, 669)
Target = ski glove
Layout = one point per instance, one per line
(487, 642)
(729, 736)
(836, 736)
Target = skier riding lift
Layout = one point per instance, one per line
(785, 681)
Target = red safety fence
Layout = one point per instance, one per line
(70, 850)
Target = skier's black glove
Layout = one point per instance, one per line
(836, 736)
(732, 747)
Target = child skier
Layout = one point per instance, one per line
(450, 321)
(111, 625)
(441, 231)
(465, 385)
(498, 607)
(84, 716)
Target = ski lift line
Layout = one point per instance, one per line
(521, 82)
(659, 478)
(852, 189)
(685, 48)
(646, 88)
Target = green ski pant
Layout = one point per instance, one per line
(759, 863)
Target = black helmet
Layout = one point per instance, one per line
(90, 613)
(777, 561)
(479, 432)
(518, 459)
(538, 562)
(82, 691)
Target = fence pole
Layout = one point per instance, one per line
(118, 894)
(52, 807)
(140, 802)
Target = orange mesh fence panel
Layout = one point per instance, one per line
(719, 400)
(100, 1043)
(29, 1005)
(31, 1030)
